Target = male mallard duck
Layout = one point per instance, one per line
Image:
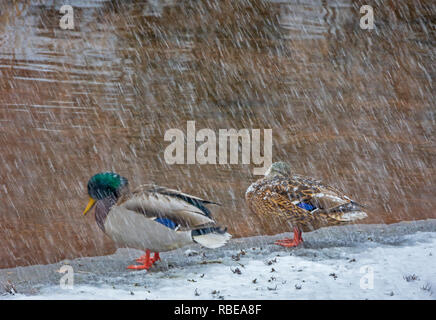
(305, 203)
(151, 217)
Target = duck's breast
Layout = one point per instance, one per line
(134, 230)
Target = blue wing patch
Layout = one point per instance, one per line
(306, 206)
(166, 222)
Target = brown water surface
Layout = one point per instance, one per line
(350, 106)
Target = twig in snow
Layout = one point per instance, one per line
(237, 271)
(237, 257)
(210, 261)
(411, 277)
(334, 275)
(10, 288)
(427, 287)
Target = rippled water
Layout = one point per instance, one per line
(353, 107)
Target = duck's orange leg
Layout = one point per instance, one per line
(144, 258)
(146, 261)
(291, 242)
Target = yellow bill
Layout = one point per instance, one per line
(91, 203)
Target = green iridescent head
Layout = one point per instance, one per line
(103, 185)
(279, 169)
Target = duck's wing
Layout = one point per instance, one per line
(300, 199)
(273, 198)
(328, 199)
(168, 206)
(268, 203)
(315, 192)
(193, 200)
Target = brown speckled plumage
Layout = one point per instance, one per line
(278, 196)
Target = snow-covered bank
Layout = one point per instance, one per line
(398, 261)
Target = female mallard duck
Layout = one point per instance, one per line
(151, 217)
(305, 203)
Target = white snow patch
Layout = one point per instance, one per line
(190, 253)
(287, 276)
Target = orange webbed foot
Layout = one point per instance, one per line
(139, 267)
(287, 242)
(146, 260)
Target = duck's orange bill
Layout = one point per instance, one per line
(91, 203)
